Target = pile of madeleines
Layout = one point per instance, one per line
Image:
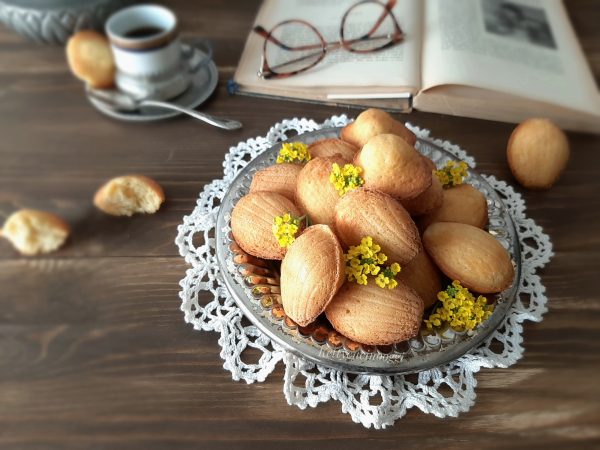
(427, 229)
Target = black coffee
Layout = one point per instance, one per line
(143, 32)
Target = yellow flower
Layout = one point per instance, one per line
(367, 259)
(293, 151)
(285, 228)
(345, 178)
(452, 174)
(386, 279)
(459, 309)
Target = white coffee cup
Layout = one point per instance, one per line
(147, 51)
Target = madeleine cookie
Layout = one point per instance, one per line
(363, 212)
(462, 204)
(538, 153)
(392, 166)
(252, 223)
(312, 271)
(315, 194)
(372, 122)
(424, 277)
(428, 200)
(470, 255)
(90, 59)
(332, 147)
(374, 316)
(280, 178)
(33, 232)
(128, 195)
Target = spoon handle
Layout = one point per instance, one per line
(227, 124)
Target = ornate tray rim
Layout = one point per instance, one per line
(294, 345)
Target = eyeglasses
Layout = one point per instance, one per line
(294, 46)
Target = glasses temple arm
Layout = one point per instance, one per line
(330, 46)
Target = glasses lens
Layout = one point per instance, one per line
(293, 47)
(368, 27)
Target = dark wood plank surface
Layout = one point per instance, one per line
(94, 352)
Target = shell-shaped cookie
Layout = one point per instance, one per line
(363, 212)
(279, 178)
(330, 147)
(428, 200)
(392, 166)
(462, 204)
(315, 194)
(538, 152)
(470, 255)
(372, 122)
(374, 316)
(252, 223)
(424, 277)
(312, 271)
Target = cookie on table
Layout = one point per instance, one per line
(129, 194)
(90, 58)
(538, 153)
(34, 232)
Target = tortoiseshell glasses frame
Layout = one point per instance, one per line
(270, 72)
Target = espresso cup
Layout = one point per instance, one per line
(147, 52)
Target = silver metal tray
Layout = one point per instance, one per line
(254, 284)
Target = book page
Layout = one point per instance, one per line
(341, 71)
(524, 48)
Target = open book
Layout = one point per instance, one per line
(459, 57)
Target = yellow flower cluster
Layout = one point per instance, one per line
(285, 228)
(452, 174)
(459, 309)
(293, 151)
(367, 259)
(386, 279)
(345, 178)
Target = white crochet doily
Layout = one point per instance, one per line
(375, 401)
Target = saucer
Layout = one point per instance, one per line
(204, 81)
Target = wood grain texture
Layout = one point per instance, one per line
(94, 352)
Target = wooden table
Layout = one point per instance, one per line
(94, 352)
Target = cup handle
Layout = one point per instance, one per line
(188, 54)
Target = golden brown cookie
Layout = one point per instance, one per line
(363, 212)
(424, 277)
(128, 195)
(312, 271)
(280, 178)
(374, 316)
(470, 255)
(462, 204)
(252, 223)
(428, 200)
(538, 153)
(90, 58)
(332, 147)
(392, 166)
(33, 232)
(372, 122)
(314, 192)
